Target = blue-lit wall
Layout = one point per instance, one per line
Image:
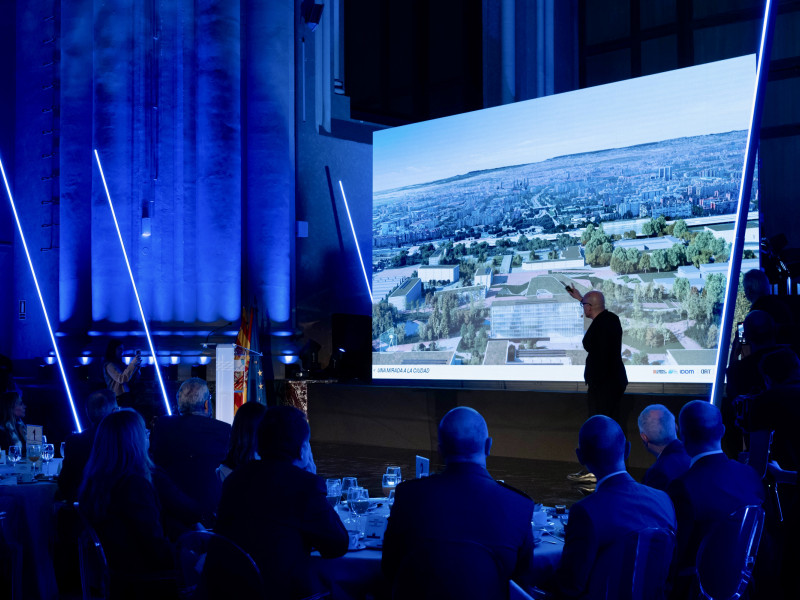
(7, 230)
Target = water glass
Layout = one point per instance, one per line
(394, 471)
(347, 483)
(334, 487)
(34, 454)
(14, 454)
(389, 482)
(62, 449)
(358, 501)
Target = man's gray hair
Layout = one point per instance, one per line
(192, 396)
(658, 424)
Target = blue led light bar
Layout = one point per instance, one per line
(353, 229)
(41, 300)
(735, 260)
(133, 283)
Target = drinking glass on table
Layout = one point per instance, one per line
(347, 483)
(62, 448)
(14, 454)
(34, 454)
(334, 487)
(358, 501)
(394, 471)
(389, 482)
(48, 451)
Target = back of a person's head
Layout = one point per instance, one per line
(658, 424)
(780, 366)
(759, 329)
(99, 404)
(119, 451)
(463, 434)
(244, 434)
(701, 425)
(8, 402)
(192, 397)
(755, 284)
(282, 433)
(602, 442)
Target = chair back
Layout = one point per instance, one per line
(11, 544)
(450, 569)
(636, 567)
(95, 575)
(727, 554)
(211, 565)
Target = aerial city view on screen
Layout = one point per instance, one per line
(480, 220)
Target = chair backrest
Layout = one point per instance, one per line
(443, 569)
(636, 567)
(95, 575)
(727, 554)
(10, 543)
(211, 565)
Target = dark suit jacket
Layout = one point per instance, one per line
(603, 341)
(77, 448)
(278, 512)
(619, 506)
(712, 489)
(189, 448)
(462, 503)
(670, 464)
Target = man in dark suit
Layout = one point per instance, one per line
(618, 506)
(191, 445)
(463, 510)
(713, 488)
(657, 430)
(276, 508)
(78, 446)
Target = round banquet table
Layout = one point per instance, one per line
(357, 574)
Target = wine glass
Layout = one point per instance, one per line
(14, 454)
(394, 471)
(62, 448)
(334, 487)
(34, 454)
(347, 483)
(48, 451)
(389, 482)
(358, 501)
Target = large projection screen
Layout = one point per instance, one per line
(631, 188)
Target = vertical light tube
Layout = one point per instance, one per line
(735, 260)
(135, 291)
(358, 248)
(41, 299)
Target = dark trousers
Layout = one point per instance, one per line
(608, 402)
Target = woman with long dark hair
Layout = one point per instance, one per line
(118, 498)
(244, 439)
(117, 376)
(12, 429)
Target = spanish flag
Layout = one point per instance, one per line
(241, 359)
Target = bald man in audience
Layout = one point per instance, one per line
(712, 489)
(618, 506)
(460, 515)
(657, 430)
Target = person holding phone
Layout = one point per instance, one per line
(118, 376)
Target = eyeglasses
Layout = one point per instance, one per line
(586, 303)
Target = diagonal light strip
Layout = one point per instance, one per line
(135, 291)
(41, 300)
(360, 258)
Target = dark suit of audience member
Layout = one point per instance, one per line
(462, 504)
(758, 290)
(712, 489)
(618, 506)
(190, 446)
(276, 508)
(118, 498)
(78, 446)
(657, 430)
(604, 372)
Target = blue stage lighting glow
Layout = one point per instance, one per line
(358, 248)
(85, 360)
(174, 360)
(133, 283)
(41, 300)
(288, 359)
(50, 360)
(204, 360)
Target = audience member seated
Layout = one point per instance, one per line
(618, 506)
(712, 489)
(758, 290)
(78, 446)
(118, 499)
(13, 431)
(276, 508)
(657, 430)
(244, 438)
(744, 375)
(190, 446)
(462, 504)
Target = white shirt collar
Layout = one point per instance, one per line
(607, 476)
(697, 457)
